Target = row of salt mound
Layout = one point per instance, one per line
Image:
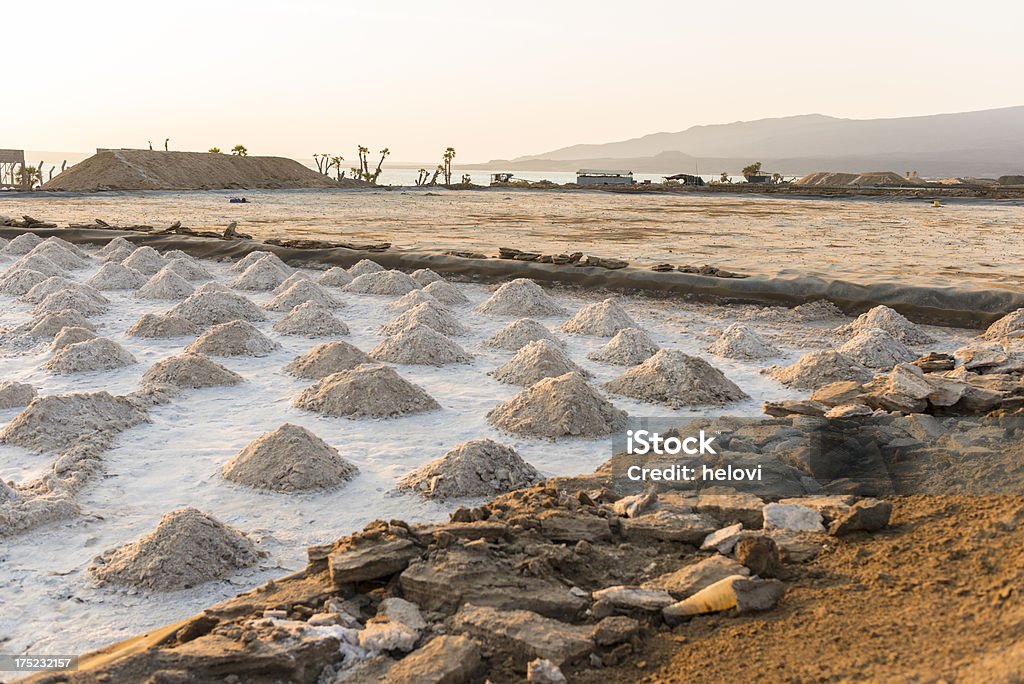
(94, 354)
(165, 284)
(520, 333)
(60, 254)
(15, 394)
(213, 303)
(115, 276)
(310, 319)
(1010, 326)
(48, 325)
(55, 284)
(875, 348)
(335, 276)
(289, 459)
(420, 344)
(300, 292)
(22, 245)
(430, 314)
(69, 246)
(145, 260)
(602, 319)
(235, 338)
(521, 297)
(71, 335)
(628, 348)
(264, 274)
(187, 268)
(72, 299)
(445, 293)
(158, 326)
(565, 406)
(364, 266)
(886, 319)
(382, 283)
(819, 368)
(55, 422)
(327, 359)
(477, 468)
(365, 391)
(252, 257)
(742, 342)
(676, 379)
(188, 371)
(35, 262)
(18, 281)
(534, 362)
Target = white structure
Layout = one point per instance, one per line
(603, 177)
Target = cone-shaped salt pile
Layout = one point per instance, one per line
(15, 394)
(70, 299)
(23, 244)
(289, 459)
(335, 276)
(297, 277)
(41, 291)
(310, 319)
(411, 300)
(518, 334)
(888, 320)
(252, 257)
(165, 285)
(145, 260)
(191, 371)
(429, 314)
(676, 379)
(743, 342)
(209, 306)
(117, 255)
(521, 297)
(363, 267)
(425, 276)
(185, 550)
(18, 281)
(327, 359)
(421, 345)
(155, 326)
(1009, 326)
(58, 421)
(72, 335)
(371, 391)
(236, 338)
(602, 319)
(819, 368)
(60, 255)
(91, 355)
(115, 276)
(535, 361)
(304, 291)
(187, 268)
(477, 468)
(52, 323)
(265, 273)
(382, 283)
(565, 406)
(115, 244)
(876, 348)
(445, 292)
(69, 246)
(39, 263)
(628, 348)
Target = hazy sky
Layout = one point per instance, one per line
(492, 79)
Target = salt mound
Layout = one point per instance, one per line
(115, 276)
(518, 334)
(368, 390)
(327, 359)
(115, 244)
(291, 458)
(477, 468)
(429, 314)
(66, 245)
(72, 335)
(425, 276)
(252, 257)
(363, 267)
(39, 263)
(335, 276)
(95, 354)
(876, 348)
(185, 550)
(57, 421)
(52, 323)
(264, 274)
(420, 345)
(521, 297)
(23, 244)
(58, 254)
(602, 319)
(382, 283)
(310, 320)
(628, 348)
(819, 368)
(165, 285)
(297, 277)
(42, 290)
(888, 320)
(18, 281)
(565, 406)
(677, 379)
(1009, 326)
(742, 342)
(300, 292)
(408, 301)
(214, 286)
(118, 255)
(189, 269)
(15, 394)
(445, 292)
(153, 326)
(535, 361)
(189, 371)
(145, 260)
(818, 310)
(70, 300)
(237, 338)
(179, 255)
(210, 306)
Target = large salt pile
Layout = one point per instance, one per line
(602, 319)
(114, 245)
(185, 550)
(39, 263)
(425, 276)
(72, 335)
(235, 338)
(518, 334)
(477, 468)
(335, 276)
(303, 291)
(876, 348)
(154, 326)
(888, 320)
(363, 267)
(187, 268)
(18, 281)
(411, 300)
(743, 342)
(15, 394)
(188, 371)
(420, 345)
(59, 254)
(21, 245)
(819, 368)
(565, 406)
(289, 459)
(210, 306)
(57, 421)
(430, 314)
(521, 297)
(370, 390)
(91, 355)
(382, 283)
(297, 277)
(115, 276)
(327, 359)
(118, 254)
(310, 319)
(66, 245)
(52, 323)
(165, 285)
(445, 292)
(265, 273)
(628, 348)
(252, 257)
(71, 299)
(676, 379)
(535, 361)
(145, 260)
(1010, 326)
(41, 291)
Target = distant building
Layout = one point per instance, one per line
(686, 179)
(11, 164)
(501, 178)
(760, 178)
(603, 177)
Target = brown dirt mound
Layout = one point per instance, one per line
(819, 368)
(335, 276)
(18, 281)
(15, 394)
(210, 307)
(310, 319)
(535, 361)
(420, 345)
(603, 319)
(265, 273)
(565, 406)
(518, 334)
(876, 349)
(115, 276)
(236, 338)
(370, 391)
(479, 467)
(189, 371)
(165, 285)
(382, 283)
(72, 335)
(145, 260)
(521, 297)
(94, 354)
(676, 379)
(446, 293)
(327, 359)
(430, 314)
(57, 421)
(743, 342)
(300, 292)
(162, 325)
(291, 458)
(628, 348)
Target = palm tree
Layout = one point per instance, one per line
(449, 155)
(240, 151)
(335, 161)
(383, 153)
(29, 175)
(214, 150)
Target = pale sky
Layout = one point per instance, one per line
(493, 79)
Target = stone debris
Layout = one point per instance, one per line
(165, 285)
(536, 361)
(676, 379)
(382, 283)
(525, 635)
(427, 314)
(18, 281)
(210, 306)
(15, 394)
(792, 517)
(888, 320)
(420, 344)
(327, 359)
(188, 371)
(445, 293)
(868, 515)
(186, 267)
(289, 459)
(565, 406)
(371, 391)
(520, 333)
(877, 349)
(634, 598)
(115, 276)
(56, 422)
(237, 338)
(411, 300)
(265, 273)
(740, 341)
(477, 468)
(689, 579)
(543, 671)
(252, 257)
(310, 319)
(156, 326)
(299, 293)
(521, 297)
(602, 319)
(21, 245)
(145, 260)
(819, 368)
(94, 354)
(364, 266)
(49, 325)
(335, 276)
(629, 347)
(425, 276)
(445, 659)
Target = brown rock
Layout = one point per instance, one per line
(868, 515)
(760, 554)
(524, 635)
(615, 630)
(690, 579)
(370, 559)
(443, 660)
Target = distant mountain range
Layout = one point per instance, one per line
(982, 143)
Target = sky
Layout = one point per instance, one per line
(492, 79)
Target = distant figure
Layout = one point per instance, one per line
(166, 142)
(150, 145)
